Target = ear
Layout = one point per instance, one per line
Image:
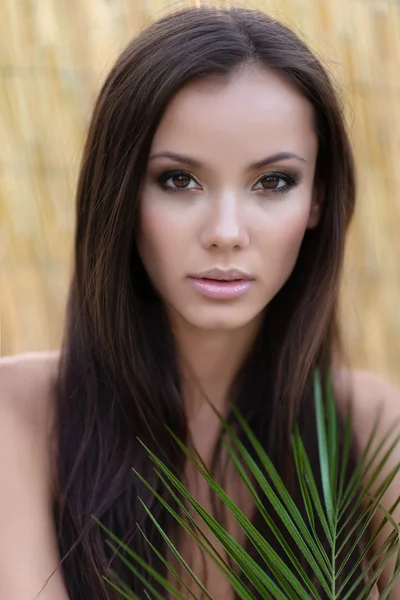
(316, 206)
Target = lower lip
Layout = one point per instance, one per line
(224, 290)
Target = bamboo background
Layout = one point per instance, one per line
(54, 56)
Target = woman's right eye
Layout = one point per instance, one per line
(179, 179)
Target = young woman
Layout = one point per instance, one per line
(216, 188)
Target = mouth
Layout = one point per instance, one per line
(223, 275)
(220, 281)
(221, 289)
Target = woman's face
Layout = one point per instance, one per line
(229, 185)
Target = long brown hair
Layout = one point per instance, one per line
(118, 374)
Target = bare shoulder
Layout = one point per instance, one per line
(375, 400)
(29, 376)
(371, 395)
(375, 389)
(28, 544)
(27, 397)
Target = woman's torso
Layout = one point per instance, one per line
(35, 376)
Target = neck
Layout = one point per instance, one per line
(208, 361)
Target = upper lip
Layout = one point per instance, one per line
(222, 274)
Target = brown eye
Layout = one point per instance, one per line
(277, 182)
(180, 180)
(174, 181)
(271, 182)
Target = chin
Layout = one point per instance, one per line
(217, 321)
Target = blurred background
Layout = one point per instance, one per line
(54, 56)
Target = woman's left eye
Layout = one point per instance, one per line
(276, 182)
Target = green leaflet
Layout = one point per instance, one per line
(333, 509)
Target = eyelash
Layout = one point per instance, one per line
(291, 181)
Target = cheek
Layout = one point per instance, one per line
(158, 240)
(285, 238)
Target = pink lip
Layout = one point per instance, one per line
(212, 288)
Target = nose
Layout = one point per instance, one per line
(224, 228)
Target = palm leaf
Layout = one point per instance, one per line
(281, 575)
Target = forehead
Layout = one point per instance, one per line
(252, 113)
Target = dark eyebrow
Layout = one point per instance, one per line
(182, 158)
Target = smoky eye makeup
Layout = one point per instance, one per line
(279, 181)
(178, 178)
(272, 182)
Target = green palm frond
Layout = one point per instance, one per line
(343, 511)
